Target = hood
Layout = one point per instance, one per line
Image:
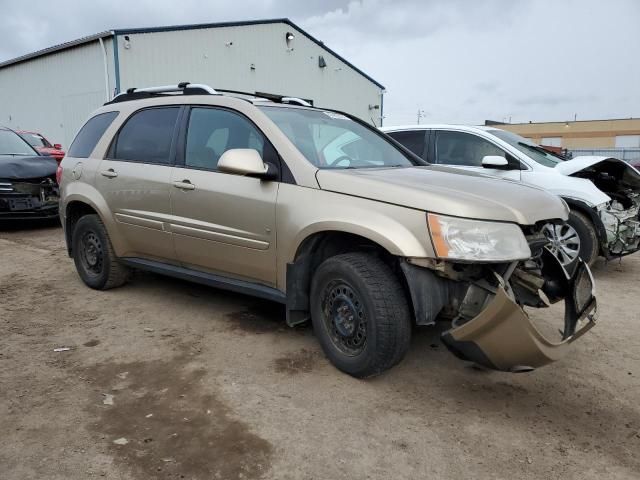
(17, 167)
(448, 191)
(627, 175)
(576, 164)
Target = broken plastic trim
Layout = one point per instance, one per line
(502, 337)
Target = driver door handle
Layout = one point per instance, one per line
(184, 185)
(111, 173)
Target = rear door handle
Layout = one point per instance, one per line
(184, 185)
(111, 173)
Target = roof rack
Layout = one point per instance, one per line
(303, 102)
(185, 88)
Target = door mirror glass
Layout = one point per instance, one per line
(494, 161)
(243, 161)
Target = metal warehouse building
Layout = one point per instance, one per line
(52, 91)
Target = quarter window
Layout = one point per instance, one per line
(459, 148)
(213, 131)
(90, 134)
(147, 136)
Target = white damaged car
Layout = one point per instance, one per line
(603, 193)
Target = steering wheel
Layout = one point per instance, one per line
(340, 159)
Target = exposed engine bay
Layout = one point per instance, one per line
(485, 304)
(621, 216)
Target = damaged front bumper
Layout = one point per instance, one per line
(491, 327)
(503, 337)
(621, 227)
(28, 199)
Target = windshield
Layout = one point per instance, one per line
(12, 144)
(332, 140)
(36, 140)
(530, 149)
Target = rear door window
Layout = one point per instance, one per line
(460, 148)
(147, 136)
(90, 134)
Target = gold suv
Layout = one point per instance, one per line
(314, 208)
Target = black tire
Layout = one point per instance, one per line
(93, 255)
(589, 244)
(360, 286)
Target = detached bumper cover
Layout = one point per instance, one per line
(502, 337)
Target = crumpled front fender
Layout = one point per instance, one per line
(503, 337)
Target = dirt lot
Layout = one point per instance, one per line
(206, 384)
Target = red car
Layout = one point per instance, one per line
(42, 145)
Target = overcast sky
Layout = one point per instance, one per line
(459, 61)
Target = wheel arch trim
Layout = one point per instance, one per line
(299, 268)
(86, 194)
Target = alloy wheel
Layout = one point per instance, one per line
(565, 242)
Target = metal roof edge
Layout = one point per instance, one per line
(198, 26)
(287, 21)
(56, 48)
(332, 52)
(494, 123)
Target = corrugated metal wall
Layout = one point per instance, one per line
(55, 93)
(222, 57)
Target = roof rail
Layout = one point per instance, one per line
(185, 88)
(296, 101)
(285, 99)
(304, 102)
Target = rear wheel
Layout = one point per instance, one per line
(360, 314)
(94, 257)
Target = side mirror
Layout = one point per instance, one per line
(57, 146)
(495, 161)
(245, 161)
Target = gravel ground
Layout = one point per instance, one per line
(167, 379)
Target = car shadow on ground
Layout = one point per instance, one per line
(28, 225)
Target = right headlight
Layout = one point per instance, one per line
(477, 240)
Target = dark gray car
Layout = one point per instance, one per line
(28, 187)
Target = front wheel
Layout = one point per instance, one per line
(360, 314)
(576, 238)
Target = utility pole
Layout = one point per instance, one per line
(421, 114)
